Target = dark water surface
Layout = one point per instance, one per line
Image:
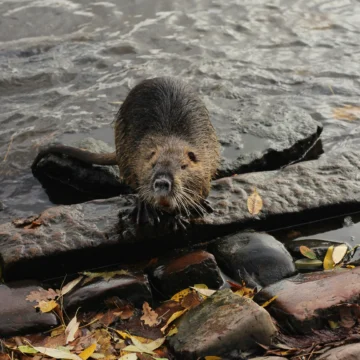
(63, 64)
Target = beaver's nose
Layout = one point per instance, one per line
(162, 185)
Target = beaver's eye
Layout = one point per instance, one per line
(192, 156)
(184, 166)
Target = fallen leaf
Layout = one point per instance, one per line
(339, 253)
(347, 112)
(71, 330)
(125, 312)
(266, 303)
(191, 300)
(328, 261)
(69, 286)
(254, 203)
(85, 354)
(174, 330)
(205, 292)
(46, 306)
(42, 295)
(33, 225)
(57, 354)
(128, 357)
(173, 317)
(180, 295)
(144, 348)
(105, 275)
(108, 318)
(97, 356)
(26, 349)
(307, 252)
(350, 266)
(126, 335)
(58, 331)
(212, 358)
(150, 317)
(333, 324)
(24, 222)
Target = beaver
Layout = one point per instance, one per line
(166, 149)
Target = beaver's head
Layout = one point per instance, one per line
(173, 177)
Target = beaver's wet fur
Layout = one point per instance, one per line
(166, 148)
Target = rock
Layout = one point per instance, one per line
(257, 137)
(346, 352)
(224, 322)
(350, 235)
(69, 181)
(174, 274)
(17, 315)
(261, 136)
(308, 301)
(132, 288)
(289, 196)
(256, 258)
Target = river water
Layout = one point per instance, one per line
(66, 64)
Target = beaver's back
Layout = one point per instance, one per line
(164, 107)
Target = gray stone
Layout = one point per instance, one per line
(306, 191)
(346, 352)
(256, 258)
(224, 322)
(19, 316)
(133, 288)
(175, 273)
(261, 136)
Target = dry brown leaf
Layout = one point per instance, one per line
(85, 354)
(212, 358)
(69, 286)
(150, 317)
(109, 317)
(347, 112)
(24, 222)
(328, 261)
(46, 306)
(33, 225)
(191, 300)
(71, 330)
(42, 295)
(254, 203)
(125, 312)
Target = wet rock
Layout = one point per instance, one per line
(307, 191)
(17, 315)
(132, 288)
(261, 136)
(224, 322)
(319, 243)
(346, 352)
(69, 181)
(256, 258)
(172, 275)
(308, 301)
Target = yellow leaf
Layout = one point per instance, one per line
(254, 203)
(347, 112)
(266, 303)
(328, 261)
(69, 286)
(85, 354)
(333, 324)
(180, 295)
(173, 317)
(174, 330)
(125, 335)
(350, 266)
(47, 306)
(200, 286)
(212, 358)
(57, 331)
(339, 253)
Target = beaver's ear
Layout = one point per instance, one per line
(192, 156)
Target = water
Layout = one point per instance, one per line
(63, 64)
